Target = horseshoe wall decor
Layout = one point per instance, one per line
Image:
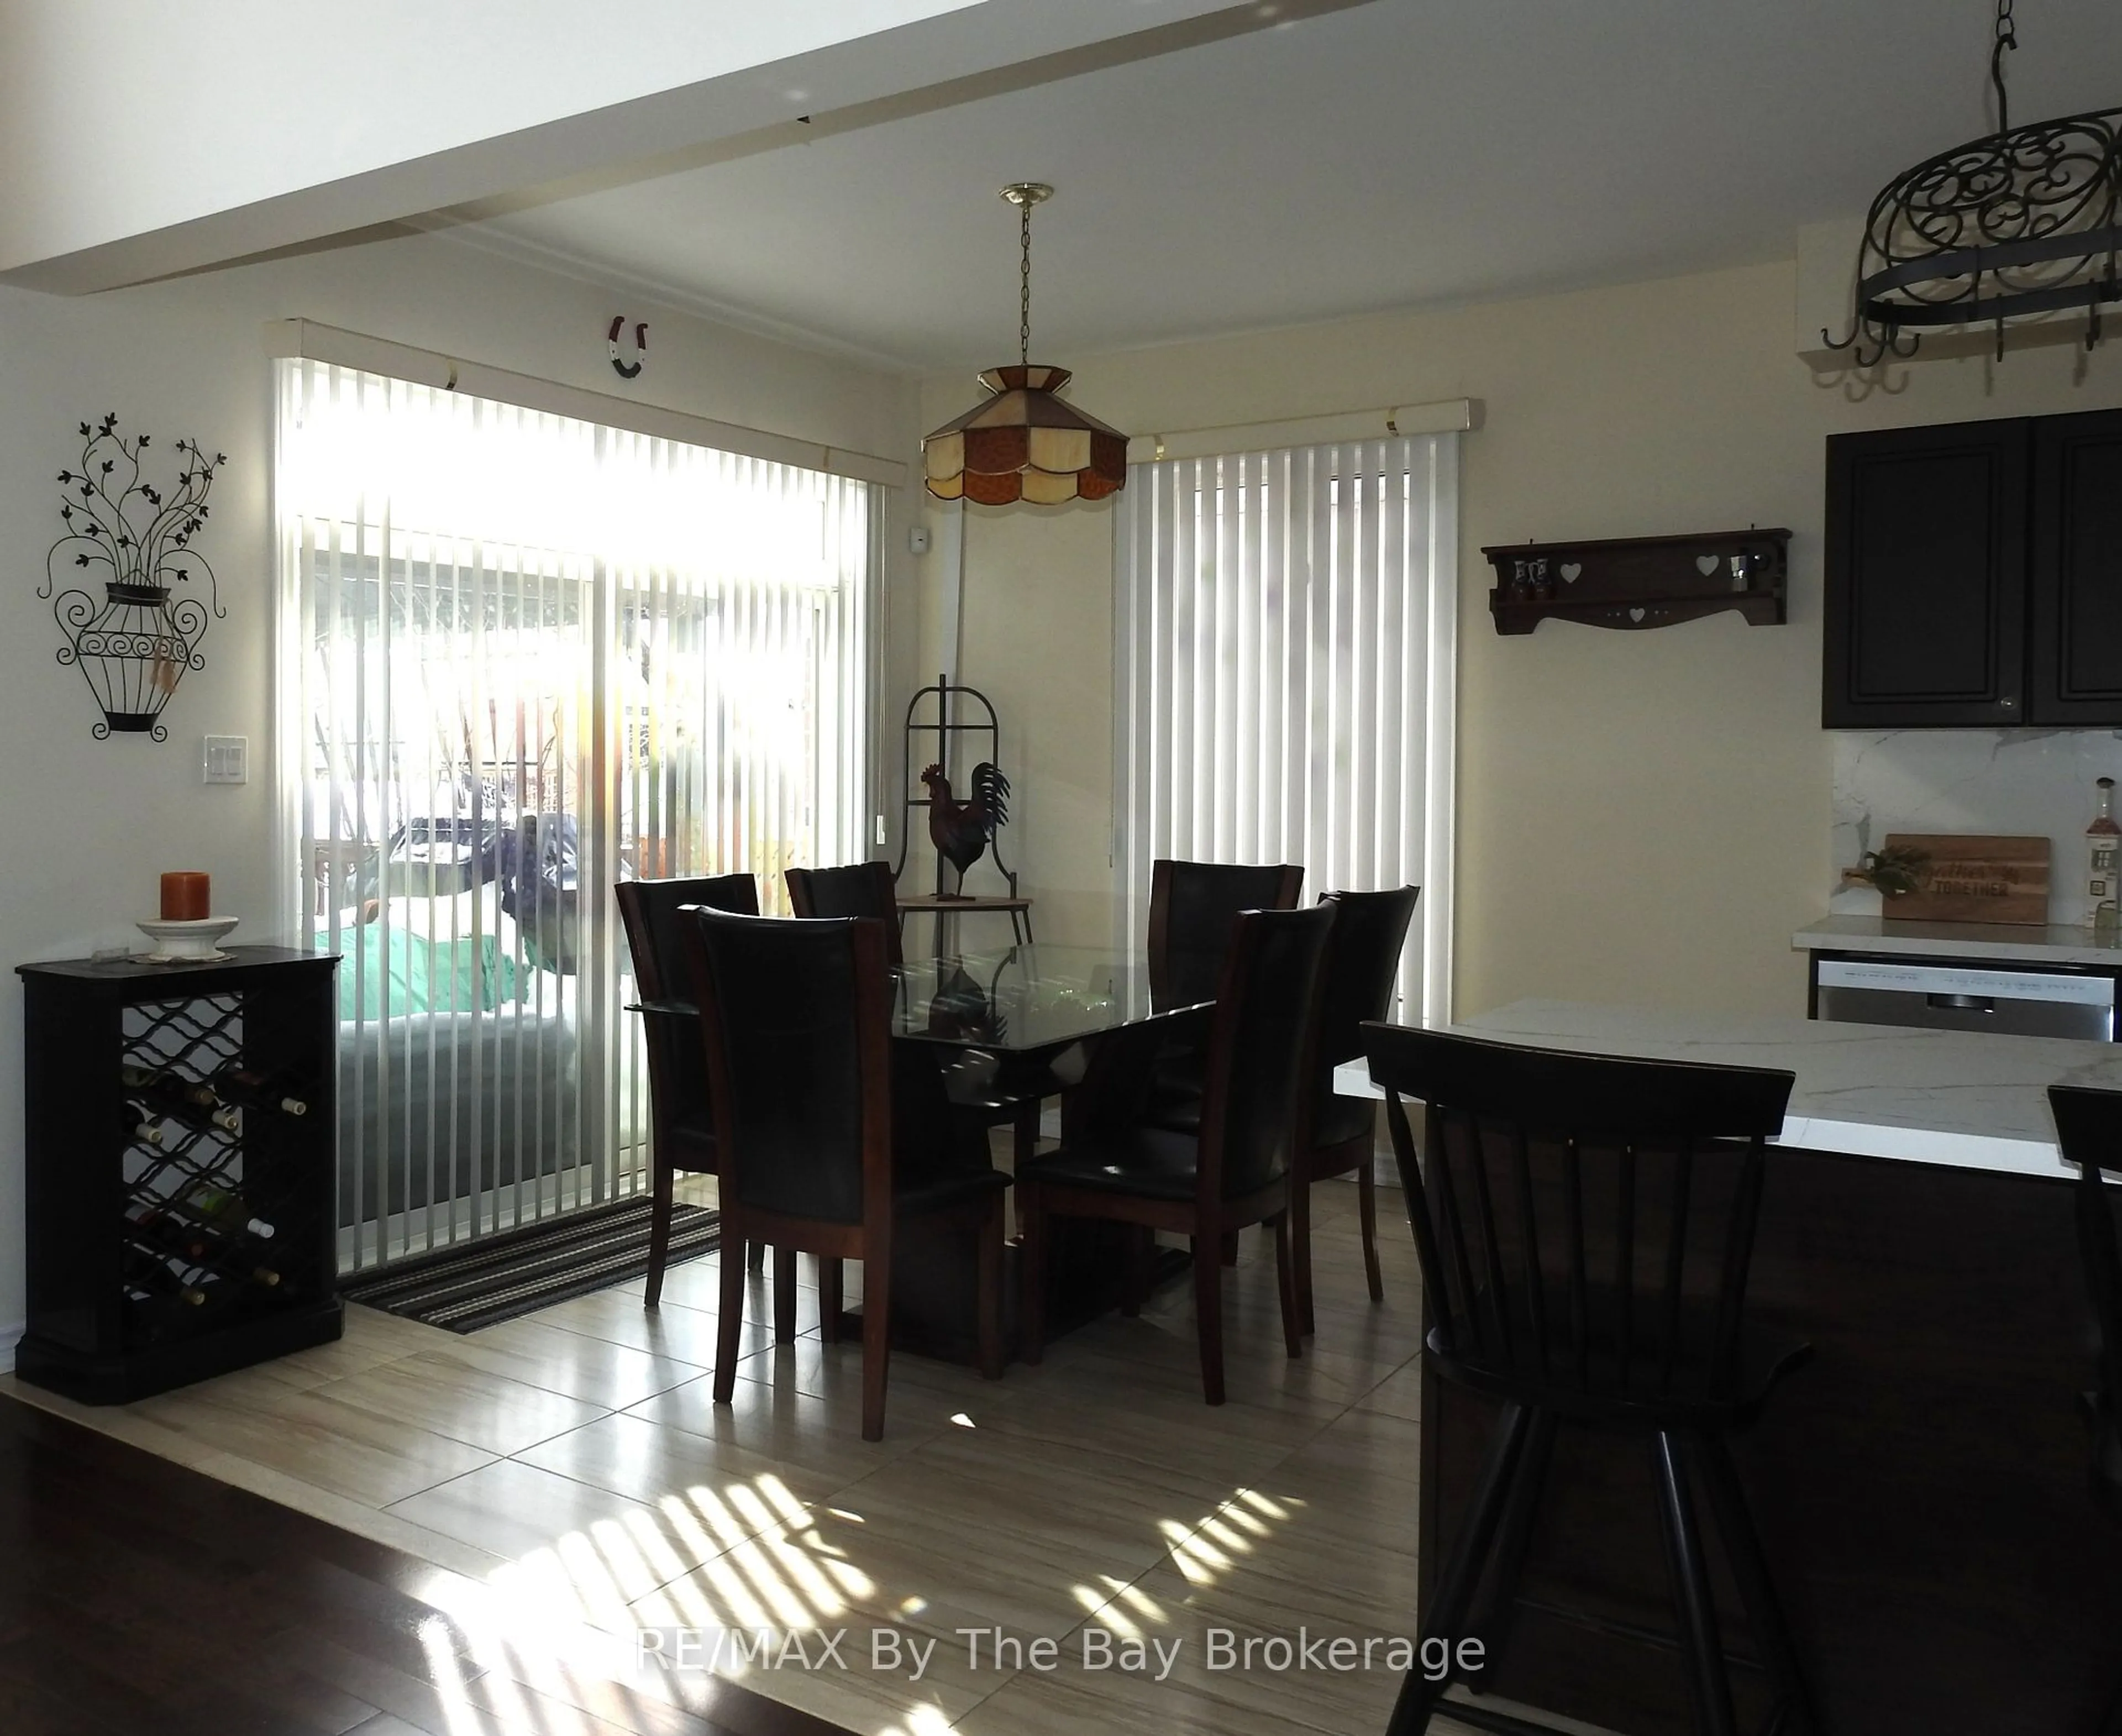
(627, 370)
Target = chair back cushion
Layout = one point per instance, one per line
(1370, 932)
(1192, 908)
(860, 889)
(655, 931)
(655, 936)
(793, 1018)
(1262, 1049)
(1585, 1222)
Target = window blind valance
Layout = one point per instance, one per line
(306, 340)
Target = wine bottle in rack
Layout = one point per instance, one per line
(193, 1262)
(266, 1090)
(149, 1270)
(223, 1210)
(172, 1093)
(143, 1125)
(157, 1227)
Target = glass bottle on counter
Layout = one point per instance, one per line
(2103, 851)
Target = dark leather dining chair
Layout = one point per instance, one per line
(819, 1152)
(985, 1094)
(681, 1133)
(1585, 1226)
(1369, 935)
(1193, 907)
(2089, 1129)
(1235, 1170)
(860, 889)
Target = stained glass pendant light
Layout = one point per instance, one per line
(1025, 442)
(2025, 221)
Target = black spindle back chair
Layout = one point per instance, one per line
(1585, 1225)
(2089, 1129)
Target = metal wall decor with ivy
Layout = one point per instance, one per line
(134, 646)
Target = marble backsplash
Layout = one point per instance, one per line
(2025, 783)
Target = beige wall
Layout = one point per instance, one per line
(89, 824)
(1643, 817)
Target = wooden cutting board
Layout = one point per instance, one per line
(1974, 879)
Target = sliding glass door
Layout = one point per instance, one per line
(1283, 647)
(523, 656)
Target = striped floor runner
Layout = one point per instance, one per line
(500, 1277)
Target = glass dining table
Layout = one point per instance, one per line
(1033, 999)
(1024, 1002)
(1025, 1006)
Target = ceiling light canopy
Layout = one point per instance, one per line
(1025, 442)
(2027, 220)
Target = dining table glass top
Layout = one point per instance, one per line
(1010, 1000)
(1022, 997)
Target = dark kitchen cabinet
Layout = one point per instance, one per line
(2077, 642)
(1926, 569)
(1974, 575)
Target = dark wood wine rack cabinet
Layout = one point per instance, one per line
(179, 1219)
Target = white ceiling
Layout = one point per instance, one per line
(1397, 153)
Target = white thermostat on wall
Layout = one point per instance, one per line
(226, 760)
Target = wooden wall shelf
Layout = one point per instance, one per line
(1637, 582)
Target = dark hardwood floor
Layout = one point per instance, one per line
(138, 1598)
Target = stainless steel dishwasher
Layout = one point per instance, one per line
(1954, 996)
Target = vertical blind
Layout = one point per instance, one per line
(522, 655)
(1283, 645)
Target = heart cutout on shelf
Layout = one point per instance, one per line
(1706, 564)
(1571, 571)
(1635, 615)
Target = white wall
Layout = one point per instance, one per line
(90, 824)
(1643, 817)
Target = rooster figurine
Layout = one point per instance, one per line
(960, 830)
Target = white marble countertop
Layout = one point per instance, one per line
(2056, 944)
(1967, 1100)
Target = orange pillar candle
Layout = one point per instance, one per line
(184, 898)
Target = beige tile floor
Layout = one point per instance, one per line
(572, 1467)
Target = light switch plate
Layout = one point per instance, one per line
(226, 760)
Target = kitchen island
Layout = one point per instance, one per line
(1921, 1484)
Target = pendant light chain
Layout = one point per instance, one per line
(1025, 442)
(1024, 305)
(2007, 37)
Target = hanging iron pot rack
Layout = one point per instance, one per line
(2025, 221)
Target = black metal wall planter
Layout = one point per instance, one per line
(134, 646)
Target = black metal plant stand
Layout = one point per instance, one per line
(180, 1124)
(950, 703)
